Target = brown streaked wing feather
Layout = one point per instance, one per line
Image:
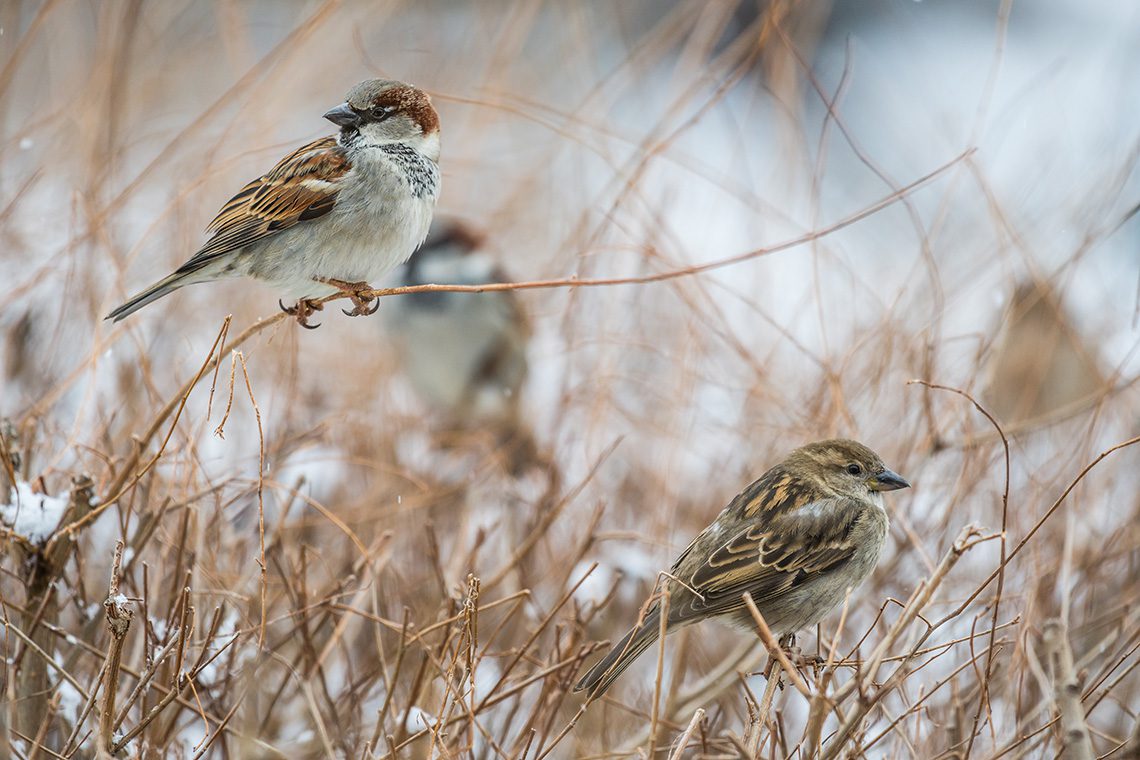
(773, 492)
(302, 186)
(792, 539)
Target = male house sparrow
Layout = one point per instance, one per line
(464, 353)
(796, 539)
(333, 214)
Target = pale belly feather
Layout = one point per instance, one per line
(376, 225)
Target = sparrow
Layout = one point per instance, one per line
(1041, 363)
(333, 214)
(464, 353)
(796, 539)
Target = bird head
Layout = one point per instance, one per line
(380, 111)
(846, 467)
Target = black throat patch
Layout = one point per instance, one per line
(421, 174)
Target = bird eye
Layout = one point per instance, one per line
(380, 113)
(854, 469)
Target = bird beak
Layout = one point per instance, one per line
(887, 480)
(343, 116)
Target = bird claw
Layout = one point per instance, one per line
(362, 306)
(303, 309)
(787, 643)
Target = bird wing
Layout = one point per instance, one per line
(302, 186)
(786, 536)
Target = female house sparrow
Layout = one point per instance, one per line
(333, 214)
(465, 353)
(796, 539)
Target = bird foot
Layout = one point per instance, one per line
(362, 306)
(801, 660)
(301, 311)
(795, 656)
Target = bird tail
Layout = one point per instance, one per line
(163, 287)
(606, 671)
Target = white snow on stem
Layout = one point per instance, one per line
(35, 516)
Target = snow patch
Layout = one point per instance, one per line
(487, 676)
(70, 701)
(159, 628)
(597, 585)
(418, 719)
(35, 516)
(630, 567)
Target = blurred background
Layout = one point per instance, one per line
(597, 429)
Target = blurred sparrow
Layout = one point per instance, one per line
(796, 540)
(465, 353)
(333, 214)
(1041, 363)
